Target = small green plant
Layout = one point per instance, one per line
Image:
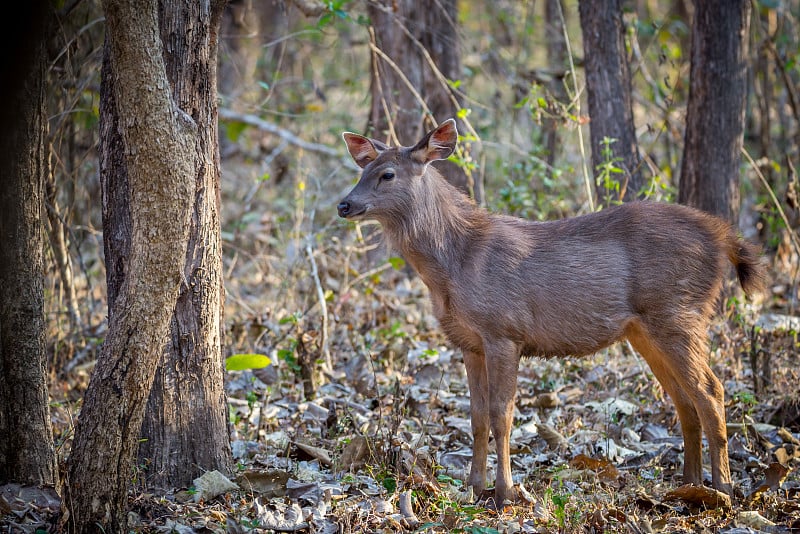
(747, 400)
(608, 173)
(559, 502)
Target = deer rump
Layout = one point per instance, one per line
(503, 287)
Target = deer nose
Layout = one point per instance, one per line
(344, 208)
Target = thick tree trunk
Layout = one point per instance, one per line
(159, 147)
(26, 446)
(180, 443)
(715, 113)
(608, 88)
(183, 440)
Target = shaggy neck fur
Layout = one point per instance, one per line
(435, 228)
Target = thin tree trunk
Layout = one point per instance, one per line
(557, 58)
(26, 447)
(608, 87)
(59, 246)
(715, 112)
(159, 141)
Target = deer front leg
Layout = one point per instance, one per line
(502, 361)
(478, 381)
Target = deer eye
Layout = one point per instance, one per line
(388, 175)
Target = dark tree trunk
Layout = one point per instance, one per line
(180, 441)
(407, 94)
(715, 113)
(27, 455)
(159, 141)
(608, 87)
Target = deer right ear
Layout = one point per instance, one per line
(361, 149)
(437, 144)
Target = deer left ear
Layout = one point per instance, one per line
(437, 144)
(362, 149)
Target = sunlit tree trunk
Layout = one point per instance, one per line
(27, 455)
(608, 88)
(159, 143)
(181, 439)
(716, 109)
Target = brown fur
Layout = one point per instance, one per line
(504, 287)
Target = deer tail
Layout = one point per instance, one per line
(749, 264)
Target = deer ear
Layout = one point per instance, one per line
(437, 144)
(361, 149)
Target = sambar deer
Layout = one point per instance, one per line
(504, 287)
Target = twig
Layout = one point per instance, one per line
(775, 200)
(401, 74)
(587, 180)
(284, 134)
(323, 307)
(364, 275)
(379, 84)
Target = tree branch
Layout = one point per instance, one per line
(266, 126)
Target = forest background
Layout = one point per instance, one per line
(343, 406)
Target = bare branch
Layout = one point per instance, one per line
(286, 135)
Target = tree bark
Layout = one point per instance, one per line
(715, 113)
(27, 455)
(179, 442)
(182, 442)
(608, 88)
(159, 148)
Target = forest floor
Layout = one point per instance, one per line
(381, 440)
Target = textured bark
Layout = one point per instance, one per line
(26, 447)
(715, 113)
(159, 147)
(396, 115)
(183, 440)
(608, 88)
(179, 441)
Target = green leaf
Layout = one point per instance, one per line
(397, 263)
(240, 362)
(390, 483)
(234, 129)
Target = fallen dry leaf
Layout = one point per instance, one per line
(313, 453)
(269, 483)
(354, 454)
(774, 475)
(551, 436)
(604, 469)
(699, 496)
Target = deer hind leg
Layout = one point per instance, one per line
(478, 381)
(678, 361)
